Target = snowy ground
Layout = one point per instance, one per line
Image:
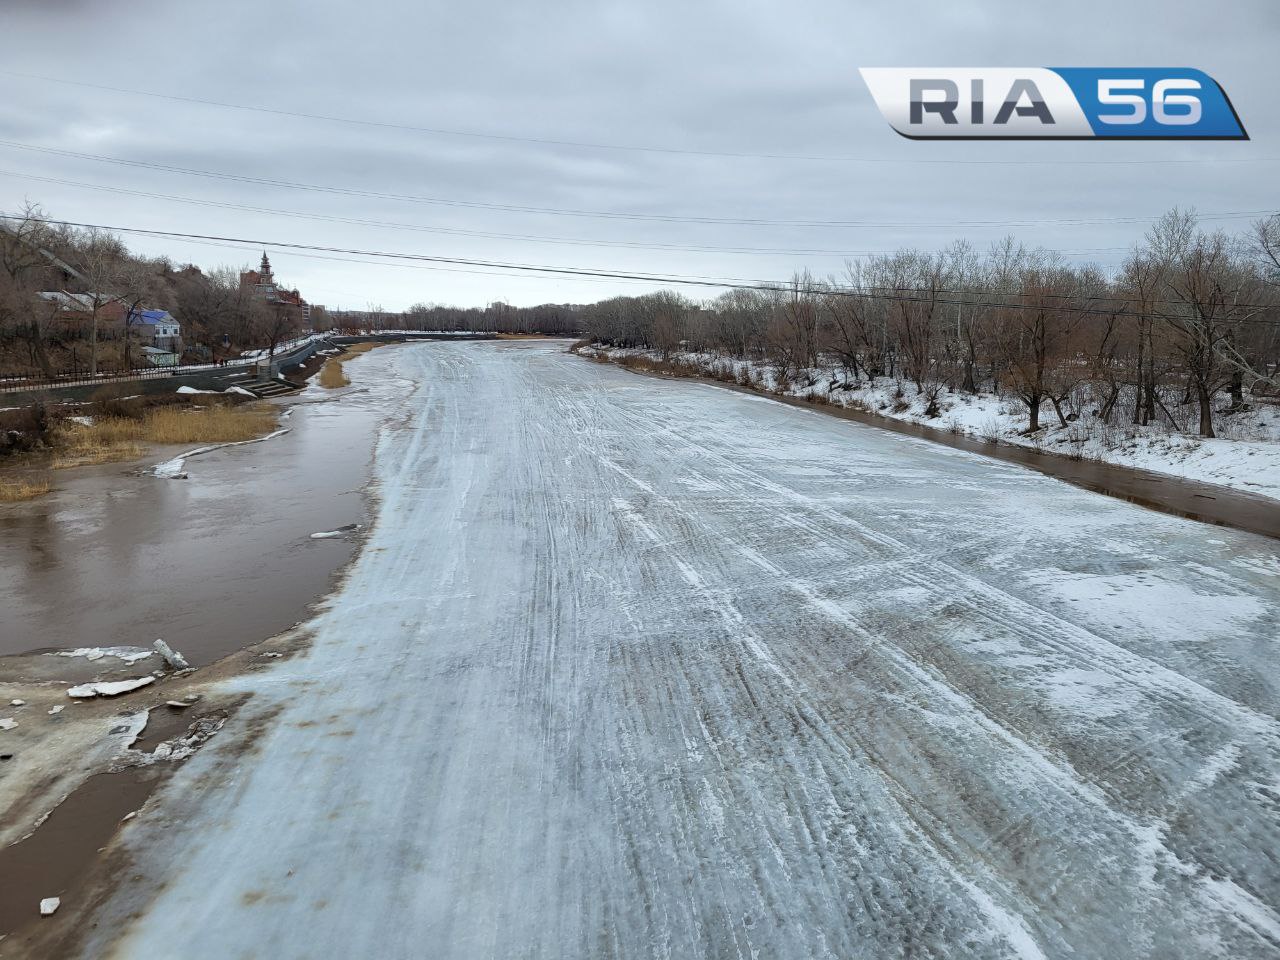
(630, 669)
(1245, 455)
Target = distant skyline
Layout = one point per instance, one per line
(752, 113)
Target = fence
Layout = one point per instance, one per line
(293, 351)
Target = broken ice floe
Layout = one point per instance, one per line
(179, 748)
(108, 688)
(54, 711)
(127, 654)
(17, 703)
(49, 905)
(7, 723)
(335, 534)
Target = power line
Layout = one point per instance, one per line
(601, 214)
(763, 286)
(253, 247)
(629, 148)
(458, 231)
(971, 291)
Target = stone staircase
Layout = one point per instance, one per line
(270, 388)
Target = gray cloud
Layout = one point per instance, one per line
(719, 76)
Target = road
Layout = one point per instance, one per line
(633, 668)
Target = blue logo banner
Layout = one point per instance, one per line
(1054, 103)
(1158, 102)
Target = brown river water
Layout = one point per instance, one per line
(210, 564)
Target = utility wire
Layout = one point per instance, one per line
(458, 231)
(763, 286)
(600, 214)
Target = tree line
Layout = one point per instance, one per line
(1191, 317)
(218, 315)
(553, 319)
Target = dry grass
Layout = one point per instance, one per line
(215, 424)
(80, 448)
(332, 376)
(110, 439)
(17, 490)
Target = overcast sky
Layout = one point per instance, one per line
(729, 77)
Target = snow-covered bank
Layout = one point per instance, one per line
(1245, 456)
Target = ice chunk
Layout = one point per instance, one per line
(7, 723)
(108, 688)
(49, 905)
(127, 654)
(335, 534)
(171, 656)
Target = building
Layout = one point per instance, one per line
(156, 328)
(77, 308)
(263, 284)
(158, 357)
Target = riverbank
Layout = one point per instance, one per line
(223, 564)
(1165, 490)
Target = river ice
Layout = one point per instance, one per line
(631, 668)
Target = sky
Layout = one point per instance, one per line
(593, 135)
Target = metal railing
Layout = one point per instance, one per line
(283, 355)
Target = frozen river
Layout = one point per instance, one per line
(653, 669)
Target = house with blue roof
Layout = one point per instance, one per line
(155, 328)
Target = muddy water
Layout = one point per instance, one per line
(212, 563)
(38, 867)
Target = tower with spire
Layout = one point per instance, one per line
(262, 280)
